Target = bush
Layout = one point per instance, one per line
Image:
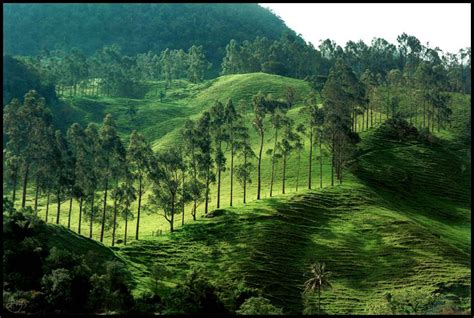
(147, 304)
(398, 129)
(258, 306)
(238, 293)
(427, 138)
(195, 296)
(406, 301)
(57, 288)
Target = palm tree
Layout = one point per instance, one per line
(319, 280)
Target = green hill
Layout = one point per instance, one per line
(399, 222)
(372, 237)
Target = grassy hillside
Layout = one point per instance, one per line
(373, 237)
(401, 219)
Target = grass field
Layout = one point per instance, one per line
(400, 220)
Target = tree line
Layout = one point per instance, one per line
(292, 56)
(110, 73)
(87, 160)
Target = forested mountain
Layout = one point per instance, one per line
(283, 179)
(136, 28)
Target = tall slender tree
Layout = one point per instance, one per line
(77, 139)
(299, 146)
(277, 120)
(112, 159)
(167, 183)
(191, 152)
(258, 123)
(219, 135)
(91, 167)
(204, 155)
(315, 118)
(138, 156)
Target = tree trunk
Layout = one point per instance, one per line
(194, 210)
(80, 216)
(36, 197)
(58, 199)
(231, 173)
(416, 114)
(284, 174)
(25, 183)
(92, 217)
(363, 121)
(126, 229)
(245, 177)
(259, 166)
(218, 186)
(115, 220)
(432, 118)
(437, 113)
(273, 162)
(367, 121)
(182, 217)
(371, 107)
(332, 165)
(140, 185)
(424, 114)
(310, 156)
(103, 213)
(172, 215)
(298, 170)
(320, 164)
(47, 208)
(14, 188)
(207, 192)
(69, 215)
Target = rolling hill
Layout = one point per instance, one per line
(399, 222)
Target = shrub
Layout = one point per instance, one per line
(398, 129)
(258, 306)
(195, 296)
(406, 301)
(57, 288)
(427, 138)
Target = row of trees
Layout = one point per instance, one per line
(108, 72)
(291, 56)
(75, 165)
(92, 159)
(88, 160)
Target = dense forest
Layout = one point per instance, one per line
(137, 28)
(112, 131)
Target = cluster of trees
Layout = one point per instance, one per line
(75, 165)
(86, 161)
(110, 73)
(43, 280)
(137, 28)
(291, 56)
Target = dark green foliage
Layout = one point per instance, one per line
(56, 26)
(196, 296)
(258, 306)
(19, 78)
(398, 129)
(39, 280)
(110, 291)
(147, 304)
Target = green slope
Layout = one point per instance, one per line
(400, 220)
(374, 237)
